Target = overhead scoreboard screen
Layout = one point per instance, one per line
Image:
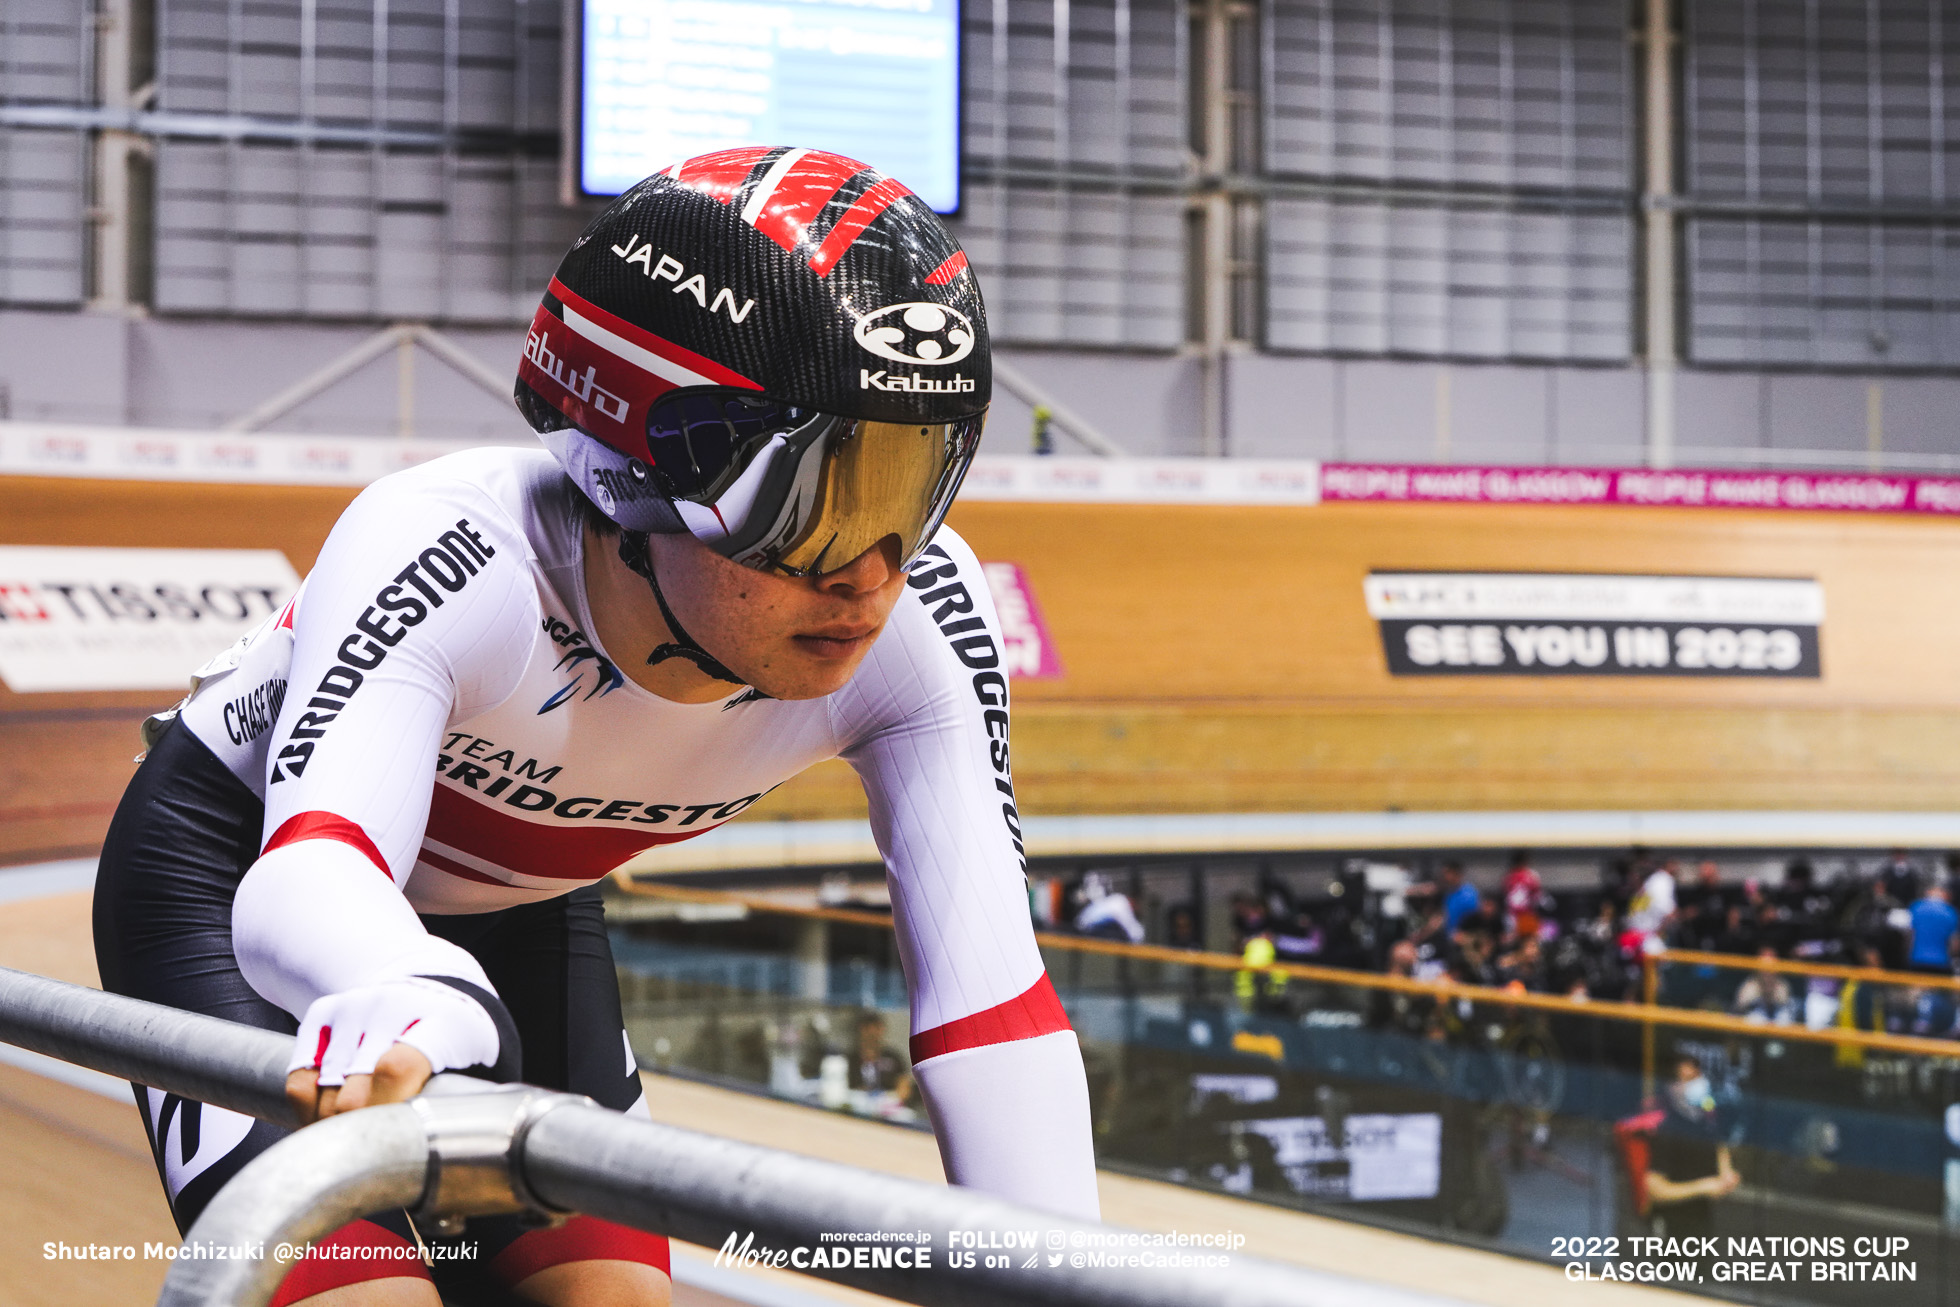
(876, 80)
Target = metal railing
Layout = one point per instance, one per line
(1646, 1013)
(465, 1148)
(1797, 967)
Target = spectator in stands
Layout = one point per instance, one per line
(1460, 897)
(1688, 1167)
(1704, 909)
(1276, 896)
(1259, 986)
(1432, 945)
(1472, 962)
(1248, 918)
(1621, 880)
(1738, 933)
(1934, 928)
(1806, 914)
(1654, 907)
(876, 1069)
(1930, 1012)
(1769, 919)
(1898, 881)
(1522, 891)
(1107, 913)
(1395, 1009)
(1867, 1004)
(1301, 940)
(1181, 928)
(1601, 959)
(1524, 965)
(1765, 995)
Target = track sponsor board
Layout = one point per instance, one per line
(129, 619)
(1378, 1157)
(1844, 492)
(1577, 624)
(1030, 653)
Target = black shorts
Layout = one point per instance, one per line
(183, 837)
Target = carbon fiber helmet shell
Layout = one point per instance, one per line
(804, 275)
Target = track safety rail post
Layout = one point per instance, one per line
(466, 1147)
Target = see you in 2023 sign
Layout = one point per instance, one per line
(1575, 624)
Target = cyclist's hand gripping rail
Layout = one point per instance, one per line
(466, 1148)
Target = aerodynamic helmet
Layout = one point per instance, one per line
(781, 351)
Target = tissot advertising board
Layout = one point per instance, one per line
(1577, 624)
(129, 619)
(1379, 1157)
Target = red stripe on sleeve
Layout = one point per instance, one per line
(1034, 1013)
(326, 826)
(851, 226)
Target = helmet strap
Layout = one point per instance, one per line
(636, 552)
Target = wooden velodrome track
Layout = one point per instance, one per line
(1221, 659)
(77, 1169)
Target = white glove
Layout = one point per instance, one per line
(345, 1034)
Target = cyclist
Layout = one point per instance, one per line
(377, 823)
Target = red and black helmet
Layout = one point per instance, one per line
(782, 351)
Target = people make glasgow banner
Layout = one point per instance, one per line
(1670, 488)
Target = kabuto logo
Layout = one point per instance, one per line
(932, 334)
(917, 383)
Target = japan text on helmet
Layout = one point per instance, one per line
(781, 351)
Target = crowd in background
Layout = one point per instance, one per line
(1589, 943)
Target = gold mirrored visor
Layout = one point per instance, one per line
(811, 498)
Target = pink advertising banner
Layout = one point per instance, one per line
(1030, 653)
(1678, 488)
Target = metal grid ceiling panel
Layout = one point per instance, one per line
(45, 52)
(44, 59)
(1525, 93)
(466, 232)
(1371, 277)
(1846, 107)
(1069, 105)
(1849, 294)
(1416, 102)
(485, 64)
(1077, 267)
(43, 227)
(314, 232)
(1088, 85)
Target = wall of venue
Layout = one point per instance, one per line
(1221, 658)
